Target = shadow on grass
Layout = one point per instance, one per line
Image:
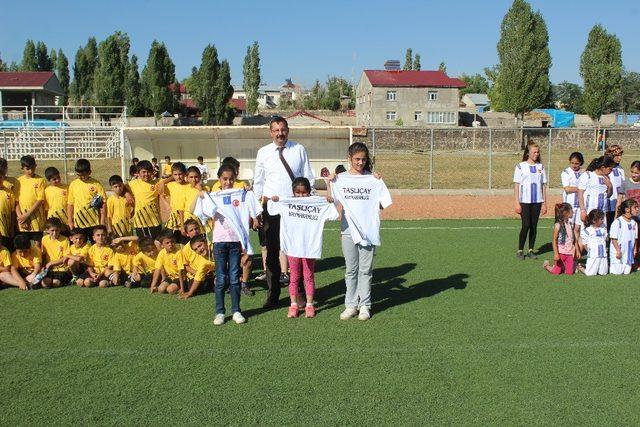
(546, 248)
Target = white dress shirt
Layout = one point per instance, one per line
(271, 177)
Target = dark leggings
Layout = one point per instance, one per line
(529, 216)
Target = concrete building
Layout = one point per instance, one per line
(477, 102)
(22, 89)
(269, 96)
(387, 98)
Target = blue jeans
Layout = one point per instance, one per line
(227, 256)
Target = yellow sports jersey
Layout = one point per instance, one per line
(172, 262)
(99, 257)
(26, 264)
(236, 186)
(143, 263)
(7, 209)
(5, 257)
(56, 202)
(147, 208)
(200, 264)
(79, 196)
(30, 190)
(176, 192)
(82, 251)
(191, 195)
(122, 262)
(166, 169)
(120, 216)
(54, 250)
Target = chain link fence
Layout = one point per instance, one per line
(482, 158)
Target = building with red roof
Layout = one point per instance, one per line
(388, 98)
(20, 89)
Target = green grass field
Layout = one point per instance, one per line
(461, 333)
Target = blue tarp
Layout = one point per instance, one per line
(559, 118)
(39, 123)
(627, 118)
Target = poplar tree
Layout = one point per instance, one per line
(416, 62)
(522, 75)
(205, 82)
(251, 74)
(110, 73)
(157, 75)
(84, 67)
(601, 71)
(224, 112)
(132, 92)
(43, 61)
(62, 70)
(53, 60)
(408, 60)
(29, 57)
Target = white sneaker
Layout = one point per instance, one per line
(238, 318)
(218, 320)
(364, 313)
(348, 313)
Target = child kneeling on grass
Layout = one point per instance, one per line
(26, 261)
(54, 248)
(199, 270)
(565, 251)
(168, 275)
(99, 259)
(624, 235)
(76, 258)
(594, 239)
(144, 263)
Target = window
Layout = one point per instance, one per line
(441, 117)
(417, 116)
(391, 95)
(391, 115)
(432, 95)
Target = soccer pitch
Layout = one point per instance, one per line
(461, 333)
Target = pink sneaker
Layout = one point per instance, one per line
(293, 311)
(309, 311)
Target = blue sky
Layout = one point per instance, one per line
(312, 40)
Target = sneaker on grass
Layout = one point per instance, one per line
(348, 313)
(293, 311)
(364, 313)
(262, 276)
(309, 311)
(238, 318)
(218, 320)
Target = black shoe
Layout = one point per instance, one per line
(284, 278)
(269, 304)
(531, 254)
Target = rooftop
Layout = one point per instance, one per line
(412, 79)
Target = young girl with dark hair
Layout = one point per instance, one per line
(530, 193)
(616, 176)
(593, 237)
(564, 238)
(569, 178)
(624, 234)
(594, 186)
(630, 188)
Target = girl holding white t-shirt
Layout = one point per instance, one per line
(361, 195)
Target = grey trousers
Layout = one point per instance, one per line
(359, 270)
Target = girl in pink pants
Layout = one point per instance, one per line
(301, 268)
(565, 250)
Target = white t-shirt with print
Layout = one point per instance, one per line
(617, 178)
(595, 191)
(596, 240)
(301, 224)
(570, 178)
(626, 233)
(361, 197)
(531, 179)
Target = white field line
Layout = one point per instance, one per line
(446, 228)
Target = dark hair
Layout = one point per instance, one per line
(179, 166)
(51, 172)
(53, 222)
(614, 150)
(191, 221)
(135, 160)
(301, 181)
(578, 156)
(99, 227)
(278, 119)
(146, 165)
(525, 154)
(133, 170)
(22, 242)
(200, 158)
(627, 204)
(196, 239)
(115, 179)
(635, 165)
(27, 162)
(154, 159)
(232, 161)
(167, 157)
(79, 231)
(166, 234)
(83, 166)
(359, 147)
(594, 215)
(226, 167)
(3, 165)
(601, 162)
(561, 210)
(340, 169)
(146, 242)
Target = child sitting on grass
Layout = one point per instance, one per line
(144, 263)
(168, 275)
(54, 248)
(122, 261)
(7, 275)
(26, 261)
(198, 267)
(98, 260)
(76, 258)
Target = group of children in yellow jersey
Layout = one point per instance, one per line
(54, 235)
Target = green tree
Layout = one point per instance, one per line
(29, 62)
(569, 96)
(62, 71)
(408, 60)
(601, 71)
(111, 72)
(442, 67)
(3, 66)
(313, 100)
(224, 113)
(13, 67)
(132, 92)
(205, 83)
(476, 83)
(251, 74)
(522, 75)
(630, 91)
(157, 75)
(42, 57)
(416, 62)
(53, 58)
(84, 67)
(337, 90)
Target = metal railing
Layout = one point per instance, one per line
(102, 115)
